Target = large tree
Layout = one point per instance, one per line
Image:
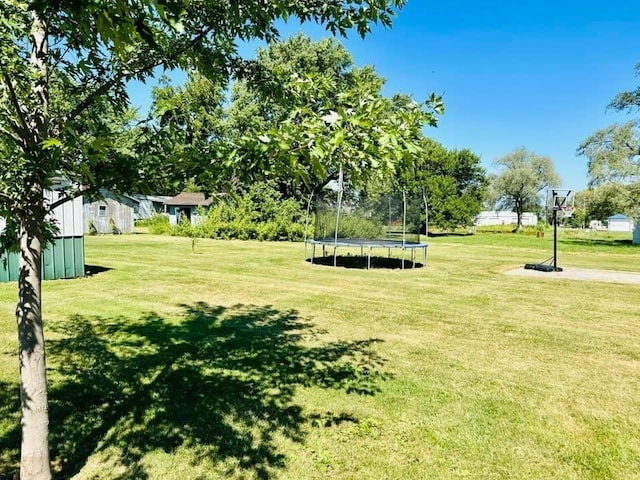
(521, 176)
(63, 63)
(323, 114)
(452, 181)
(613, 155)
(312, 112)
(601, 202)
(186, 128)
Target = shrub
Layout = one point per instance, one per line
(158, 224)
(352, 226)
(92, 228)
(114, 228)
(260, 213)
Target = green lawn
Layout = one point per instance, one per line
(241, 361)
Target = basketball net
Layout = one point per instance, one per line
(567, 212)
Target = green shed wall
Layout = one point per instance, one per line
(63, 259)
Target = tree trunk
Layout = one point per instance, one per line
(34, 456)
(518, 209)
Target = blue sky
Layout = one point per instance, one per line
(537, 74)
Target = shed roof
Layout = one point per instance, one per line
(190, 198)
(618, 216)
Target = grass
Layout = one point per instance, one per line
(241, 361)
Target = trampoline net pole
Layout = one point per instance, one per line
(340, 192)
(426, 216)
(404, 220)
(306, 226)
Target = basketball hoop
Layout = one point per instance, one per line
(562, 201)
(567, 212)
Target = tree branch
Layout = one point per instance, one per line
(6, 199)
(124, 73)
(22, 132)
(15, 137)
(67, 198)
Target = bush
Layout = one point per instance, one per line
(352, 226)
(261, 214)
(158, 224)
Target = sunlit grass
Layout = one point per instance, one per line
(241, 360)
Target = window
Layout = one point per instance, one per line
(102, 212)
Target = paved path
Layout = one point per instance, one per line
(570, 273)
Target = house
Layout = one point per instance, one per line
(112, 213)
(504, 217)
(187, 205)
(149, 205)
(64, 257)
(620, 223)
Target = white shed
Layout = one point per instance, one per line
(504, 217)
(620, 223)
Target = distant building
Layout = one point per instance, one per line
(596, 225)
(149, 205)
(504, 217)
(112, 213)
(187, 205)
(620, 223)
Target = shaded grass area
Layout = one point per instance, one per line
(362, 262)
(219, 383)
(255, 364)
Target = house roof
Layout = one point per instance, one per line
(618, 216)
(152, 198)
(189, 199)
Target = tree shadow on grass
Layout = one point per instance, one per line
(615, 242)
(220, 384)
(362, 262)
(9, 429)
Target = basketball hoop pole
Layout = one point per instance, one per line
(559, 200)
(555, 238)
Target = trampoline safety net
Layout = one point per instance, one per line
(368, 218)
(367, 222)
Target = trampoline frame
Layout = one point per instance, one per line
(369, 244)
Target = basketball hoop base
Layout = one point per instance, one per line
(542, 267)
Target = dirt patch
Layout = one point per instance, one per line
(570, 273)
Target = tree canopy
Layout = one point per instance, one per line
(453, 182)
(521, 176)
(613, 154)
(325, 114)
(313, 114)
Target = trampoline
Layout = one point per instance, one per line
(360, 224)
(366, 246)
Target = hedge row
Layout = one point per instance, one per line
(259, 214)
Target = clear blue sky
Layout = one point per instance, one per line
(537, 74)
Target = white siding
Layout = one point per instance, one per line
(620, 225)
(503, 217)
(68, 216)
